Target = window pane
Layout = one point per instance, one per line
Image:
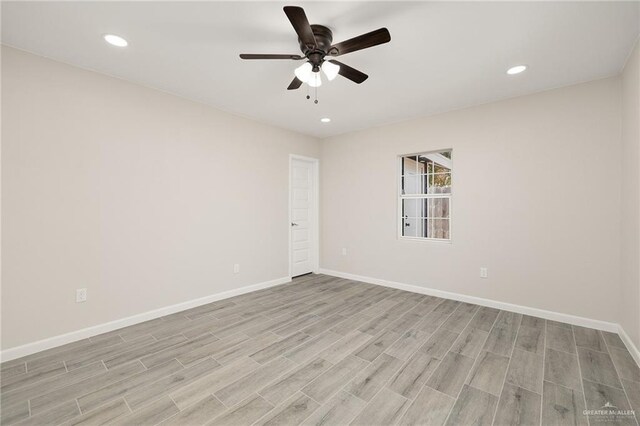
(436, 208)
(412, 207)
(439, 168)
(414, 184)
(421, 227)
(435, 162)
(410, 227)
(411, 184)
(439, 183)
(410, 165)
(432, 183)
(438, 228)
(432, 208)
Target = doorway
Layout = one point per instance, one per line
(303, 215)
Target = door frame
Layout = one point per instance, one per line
(315, 211)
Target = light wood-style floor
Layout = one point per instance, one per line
(324, 350)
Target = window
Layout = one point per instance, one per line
(425, 196)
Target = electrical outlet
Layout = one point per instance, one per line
(344, 251)
(236, 268)
(81, 295)
(484, 273)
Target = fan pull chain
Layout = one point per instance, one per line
(316, 94)
(308, 97)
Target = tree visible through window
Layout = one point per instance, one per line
(425, 195)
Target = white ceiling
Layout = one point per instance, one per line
(442, 56)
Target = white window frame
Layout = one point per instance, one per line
(400, 197)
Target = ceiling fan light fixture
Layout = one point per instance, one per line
(330, 70)
(317, 48)
(303, 72)
(315, 80)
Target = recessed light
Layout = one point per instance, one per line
(516, 70)
(325, 120)
(115, 40)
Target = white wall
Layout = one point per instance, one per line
(144, 198)
(630, 319)
(536, 184)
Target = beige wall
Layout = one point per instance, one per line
(536, 184)
(630, 319)
(148, 199)
(144, 198)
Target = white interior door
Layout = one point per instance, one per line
(303, 221)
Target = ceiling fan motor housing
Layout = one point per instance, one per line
(324, 38)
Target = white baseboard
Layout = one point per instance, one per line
(633, 349)
(63, 339)
(541, 313)
(52, 342)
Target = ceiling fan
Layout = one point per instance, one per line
(315, 44)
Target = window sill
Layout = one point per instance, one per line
(426, 240)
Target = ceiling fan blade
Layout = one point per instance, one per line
(295, 84)
(301, 24)
(350, 73)
(363, 41)
(269, 56)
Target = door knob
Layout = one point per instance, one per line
(294, 224)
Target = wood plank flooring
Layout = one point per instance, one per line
(328, 351)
